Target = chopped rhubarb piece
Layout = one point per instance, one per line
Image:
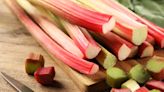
(33, 62)
(156, 67)
(115, 77)
(139, 74)
(145, 50)
(154, 84)
(45, 76)
(134, 70)
(120, 90)
(131, 84)
(49, 27)
(142, 89)
(79, 15)
(51, 46)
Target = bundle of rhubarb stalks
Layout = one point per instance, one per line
(79, 31)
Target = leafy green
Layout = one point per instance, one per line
(152, 10)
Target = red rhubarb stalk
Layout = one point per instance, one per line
(126, 27)
(71, 60)
(133, 48)
(145, 50)
(63, 9)
(115, 44)
(49, 27)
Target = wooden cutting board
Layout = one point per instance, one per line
(16, 43)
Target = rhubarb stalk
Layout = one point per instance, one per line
(115, 44)
(79, 15)
(126, 27)
(51, 46)
(105, 58)
(82, 39)
(55, 33)
(145, 50)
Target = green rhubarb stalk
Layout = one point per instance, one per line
(156, 67)
(106, 59)
(115, 77)
(139, 74)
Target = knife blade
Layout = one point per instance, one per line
(15, 83)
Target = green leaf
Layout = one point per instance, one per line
(152, 10)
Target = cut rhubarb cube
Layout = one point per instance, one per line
(156, 67)
(45, 76)
(33, 62)
(131, 84)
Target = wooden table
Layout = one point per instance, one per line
(15, 44)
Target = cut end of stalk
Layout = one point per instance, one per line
(92, 51)
(107, 27)
(139, 74)
(139, 35)
(110, 61)
(148, 52)
(124, 52)
(94, 69)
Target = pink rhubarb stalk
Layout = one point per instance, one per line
(96, 48)
(49, 27)
(51, 46)
(78, 15)
(82, 40)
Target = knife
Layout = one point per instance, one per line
(16, 84)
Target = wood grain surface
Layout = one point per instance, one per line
(15, 44)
